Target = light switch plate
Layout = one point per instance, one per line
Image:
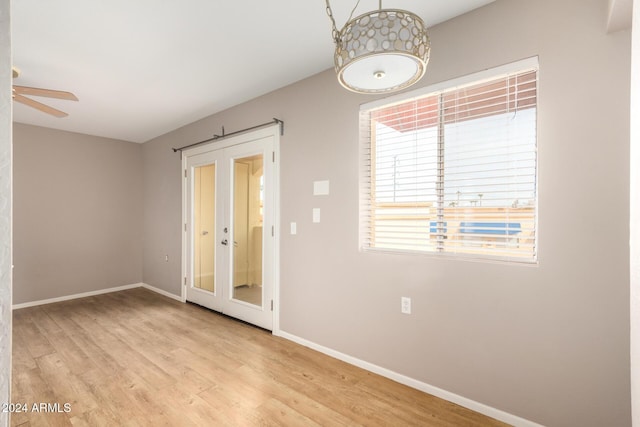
(316, 215)
(294, 228)
(405, 305)
(320, 188)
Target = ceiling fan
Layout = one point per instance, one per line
(20, 91)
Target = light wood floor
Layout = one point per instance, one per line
(137, 358)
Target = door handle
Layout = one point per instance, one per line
(204, 233)
(225, 242)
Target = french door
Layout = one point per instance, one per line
(229, 228)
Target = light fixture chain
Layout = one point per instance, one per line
(354, 10)
(335, 34)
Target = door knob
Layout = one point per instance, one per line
(225, 242)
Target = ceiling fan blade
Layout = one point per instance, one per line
(39, 106)
(34, 91)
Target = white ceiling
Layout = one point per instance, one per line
(142, 68)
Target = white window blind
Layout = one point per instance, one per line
(453, 171)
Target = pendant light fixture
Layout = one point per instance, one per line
(382, 51)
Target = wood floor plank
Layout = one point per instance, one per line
(136, 358)
(66, 386)
(302, 403)
(115, 394)
(27, 388)
(37, 343)
(21, 357)
(73, 356)
(273, 412)
(45, 323)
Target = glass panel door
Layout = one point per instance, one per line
(205, 229)
(251, 211)
(204, 213)
(247, 229)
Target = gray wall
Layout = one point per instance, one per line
(77, 213)
(162, 212)
(5, 209)
(548, 343)
(635, 216)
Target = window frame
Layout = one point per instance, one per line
(368, 160)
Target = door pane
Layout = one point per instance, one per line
(247, 229)
(204, 209)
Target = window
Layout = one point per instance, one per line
(454, 171)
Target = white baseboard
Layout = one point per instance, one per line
(75, 296)
(98, 292)
(419, 385)
(162, 292)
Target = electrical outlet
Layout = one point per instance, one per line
(405, 305)
(166, 258)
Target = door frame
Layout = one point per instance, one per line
(267, 131)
